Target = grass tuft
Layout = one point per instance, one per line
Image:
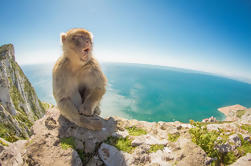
(239, 113)
(123, 144)
(173, 137)
(155, 148)
(67, 142)
(134, 131)
(246, 127)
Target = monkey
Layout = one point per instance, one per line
(78, 81)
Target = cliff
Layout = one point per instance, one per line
(52, 140)
(19, 104)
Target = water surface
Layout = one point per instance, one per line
(155, 93)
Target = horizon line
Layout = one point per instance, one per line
(242, 80)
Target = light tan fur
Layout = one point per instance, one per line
(78, 82)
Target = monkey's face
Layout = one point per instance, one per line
(79, 41)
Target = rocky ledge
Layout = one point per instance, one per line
(57, 141)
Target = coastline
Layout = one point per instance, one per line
(230, 111)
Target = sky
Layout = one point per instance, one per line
(207, 35)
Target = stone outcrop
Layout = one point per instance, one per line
(122, 142)
(19, 104)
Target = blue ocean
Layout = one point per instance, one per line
(155, 93)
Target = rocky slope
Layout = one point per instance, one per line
(56, 141)
(19, 104)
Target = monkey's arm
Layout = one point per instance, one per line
(70, 112)
(62, 94)
(95, 91)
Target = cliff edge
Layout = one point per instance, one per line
(19, 104)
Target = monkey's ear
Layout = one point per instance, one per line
(63, 37)
(91, 35)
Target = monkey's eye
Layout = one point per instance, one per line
(74, 38)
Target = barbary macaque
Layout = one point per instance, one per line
(78, 81)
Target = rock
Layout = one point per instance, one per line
(149, 140)
(191, 155)
(235, 139)
(246, 137)
(46, 150)
(243, 161)
(224, 148)
(45, 146)
(12, 155)
(120, 133)
(111, 156)
(211, 119)
(95, 161)
(162, 157)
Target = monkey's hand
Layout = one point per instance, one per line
(97, 111)
(86, 110)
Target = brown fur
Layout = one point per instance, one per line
(78, 82)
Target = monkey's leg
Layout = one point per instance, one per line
(97, 110)
(92, 101)
(69, 111)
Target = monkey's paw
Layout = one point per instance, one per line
(86, 110)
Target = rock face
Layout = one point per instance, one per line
(57, 141)
(19, 104)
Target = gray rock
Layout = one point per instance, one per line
(243, 161)
(149, 140)
(111, 156)
(235, 139)
(95, 161)
(12, 155)
(224, 148)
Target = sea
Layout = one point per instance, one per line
(155, 93)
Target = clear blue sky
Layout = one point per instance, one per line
(207, 35)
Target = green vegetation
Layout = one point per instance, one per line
(155, 148)
(246, 127)
(3, 143)
(245, 146)
(240, 113)
(134, 131)
(45, 105)
(67, 143)
(124, 144)
(208, 139)
(20, 117)
(173, 137)
(7, 132)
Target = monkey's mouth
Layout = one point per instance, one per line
(85, 53)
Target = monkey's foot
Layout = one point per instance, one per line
(91, 122)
